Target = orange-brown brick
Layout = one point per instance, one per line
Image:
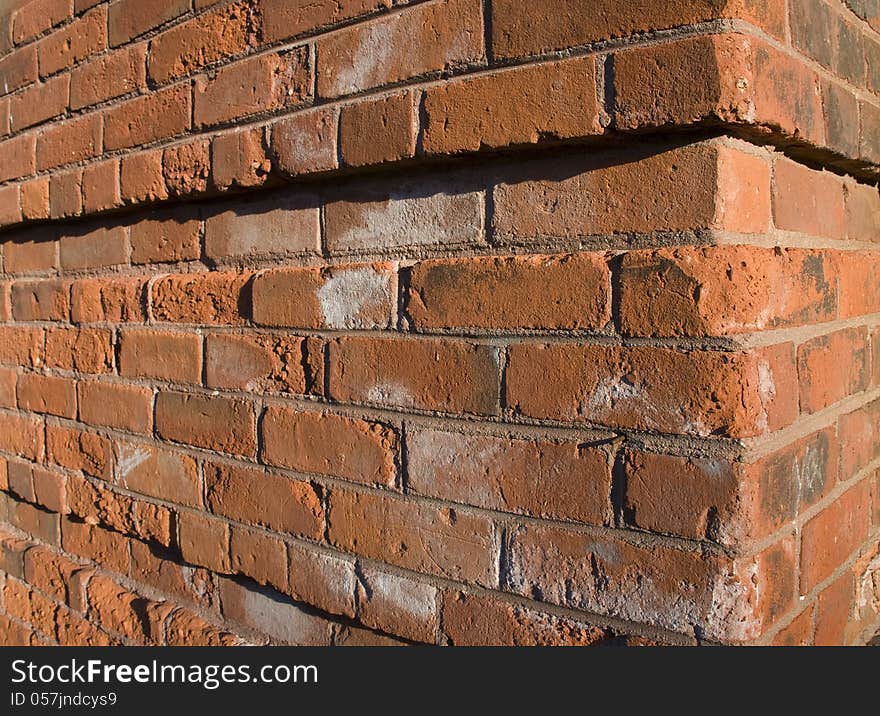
(542, 478)
(39, 103)
(204, 541)
(420, 40)
(239, 159)
(329, 444)
(423, 538)
(200, 298)
(21, 435)
(100, 186)
(175, 357)
(520, 106)
(255, 363)
(161, 114)
(18, 69)
(428, 374)
(281, 20)
(34, 18)
(376, 131)
(130, 18)
(186, 168)
(165, 237)
(807, 200)
(263, 83)
(35, 199)
(47, 394)
(86, 350)
(211, 422)
(568, 292)
(78, 40)
(79, 450)
(94, 249)
(158, 472)
(116, 406)
(261, 498)
(735, 394)
(95, 300)
(141, 178)
(833, 367)
(342, 297)
(17, 156)
(46, 300)
(306, 142)
(107, 77)
(65, 194)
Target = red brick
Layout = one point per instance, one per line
(255, 363)
(211, 422)
(39, 103)
(115, 300)
(7, 400)
(439, 541)
(538, 477)
(78, 40)
(340, 297)
(141, 178)
(10, 205)
(162, 114)
(45, 300)
(100, 187)
(18, 69)
(118, 609)
(162, 570)
(326, 581)
(260, 84)
(520, 106)
(50, 490)
(402, 605)
(22, 435)
(114, 75)
(183, 628)
(471, 620)
(116, 406)
(204, 541)
(833, 535)
(328, 444)
(833, 608)
(545, 26)
(163, 355)
(109, 549)
(202, 298)
(266, 227)
(260, 498)
(79, 450)
(860, 439)
(567, 292)
(47, 394)
(130, 18)
(95, 249)
(49, 571)
(869, 144)
(258, 556)
(450, 376)
(239, 159)
(158, 472)
(724, 290)
(833, 367)
(165, 237)
(186, 168)
(34, 18)
(21, 346)
(85, 350)
(20, 480)
(862, 215)
(694, 393)
(417, 41)
(17, 156)
(376, 131)
(65, 194)
(306, 142)
(35, 198)
(281, 20)
(808, 201)
(206, 39)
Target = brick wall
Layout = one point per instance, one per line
(449, 321)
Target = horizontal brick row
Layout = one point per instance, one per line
(760, 86)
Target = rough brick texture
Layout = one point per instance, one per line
(447, 322)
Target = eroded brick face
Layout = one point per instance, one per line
(385, 323)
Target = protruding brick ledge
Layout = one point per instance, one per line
(138, 125)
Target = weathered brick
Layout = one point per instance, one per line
(100, 186)
(79, 450)
(22, 435)
(449, 376)
(18, 156)
(75, 42)
(34, 198)
(376, 131)
(832, 367)
(264, 499)
(116, 406)
(141, 178)
(162, 114)
(157, 472)
(420, 40)
(255, 363)
(45, 300)
(265, 227)
(18, 69)
(807, 201)
(65, 194)
(327, 581)
(39, 103)
(328, 444)
(89, 350)
(260, 84)
(204, 541)
(200, 298)
(567, 292)
(108, 77)
(305, 142)
(239, 159)
(128, 19)
(186, 168)
(340, 297)
(47, 394)
(411, 535)
(281, 20)
(34, 18)
(114, 300)
(694, 393)
(163, 355)
(210, 422)
(105, 246)
(211, 37)
(542, 478)
(520, 106)
(166, 237)
(402, 605)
